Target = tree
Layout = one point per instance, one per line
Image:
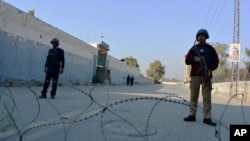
(223, 72)
(247, 52)
(156, 70)
(247, 63)
(131, 61)
(31, 12)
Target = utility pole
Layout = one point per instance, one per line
(236, 40)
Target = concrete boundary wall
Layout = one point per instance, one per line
(24, 59)
(223, 89)
(19, 23)
(25, 41)
(120, 70)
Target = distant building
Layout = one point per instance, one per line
(187, 69)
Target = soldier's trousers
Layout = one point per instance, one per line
(54, 75)
(195, 83)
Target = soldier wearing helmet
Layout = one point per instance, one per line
(53, 66)
(203, 32)
(203, 60)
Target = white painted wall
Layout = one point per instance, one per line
(25, 41)
(120, 70)
(19, 23)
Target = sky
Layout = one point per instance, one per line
(147, 30)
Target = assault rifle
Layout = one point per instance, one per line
(203, 67)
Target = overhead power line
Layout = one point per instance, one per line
(209, 9)
(218, 16)
(213, 14)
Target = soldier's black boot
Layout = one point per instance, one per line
(209, 122)
(44, 91)
(42, 96)
(53, 91)
(190, 118)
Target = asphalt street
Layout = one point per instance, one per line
(113, 113)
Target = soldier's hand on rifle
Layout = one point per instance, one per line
(208, 73)
(197, 59)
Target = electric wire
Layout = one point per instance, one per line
(218, 16)
(209, 9)
(214, 14)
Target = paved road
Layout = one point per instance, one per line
(112, 113)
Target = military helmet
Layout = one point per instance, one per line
(202, 31)
(55, 40)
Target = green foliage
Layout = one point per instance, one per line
(247, 52)
(31, 12)
(131, 61)
(223, 72)
(247, 63)
(156, 70)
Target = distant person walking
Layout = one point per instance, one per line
(132, 80)
(53, 66)
(128, 80)
(203, 60)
